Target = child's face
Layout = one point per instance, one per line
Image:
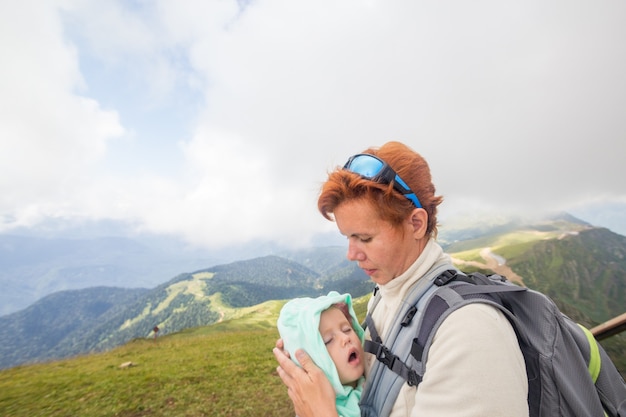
(343, 345)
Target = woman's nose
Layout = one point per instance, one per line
(354, 253)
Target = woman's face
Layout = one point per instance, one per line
(380, 249)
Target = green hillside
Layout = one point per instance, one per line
(97, 319)
(226, 369)
(49, 328)
(216, 294)
(221, 370)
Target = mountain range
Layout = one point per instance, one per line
(93, 319)
(581, 267)
(34, 266)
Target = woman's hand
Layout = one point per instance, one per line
(309, 389)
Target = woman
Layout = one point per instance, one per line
(384, 202)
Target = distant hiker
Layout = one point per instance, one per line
(330, 332)
(384, 202)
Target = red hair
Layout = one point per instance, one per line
(343, 307)
(343, 185)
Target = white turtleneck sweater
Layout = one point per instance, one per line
(475, 367)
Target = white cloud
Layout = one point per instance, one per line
(50, 135)
(516, 106)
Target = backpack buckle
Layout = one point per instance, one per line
(445, 277)
(385, 356)
(413, 378)
(409, 316)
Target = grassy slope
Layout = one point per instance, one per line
(226, 369)
(221, 370)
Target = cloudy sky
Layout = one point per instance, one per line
(218, 120)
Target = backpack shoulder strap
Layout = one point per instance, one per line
(393, 365)
(375, 344)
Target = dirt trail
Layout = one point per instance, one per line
(493, 262)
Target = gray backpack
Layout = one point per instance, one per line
(569, 373)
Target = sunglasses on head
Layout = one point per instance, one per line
(375, 169)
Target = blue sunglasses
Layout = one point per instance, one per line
(373, 168)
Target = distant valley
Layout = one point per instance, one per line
(32, 267)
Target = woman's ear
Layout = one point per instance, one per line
(419, 222)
